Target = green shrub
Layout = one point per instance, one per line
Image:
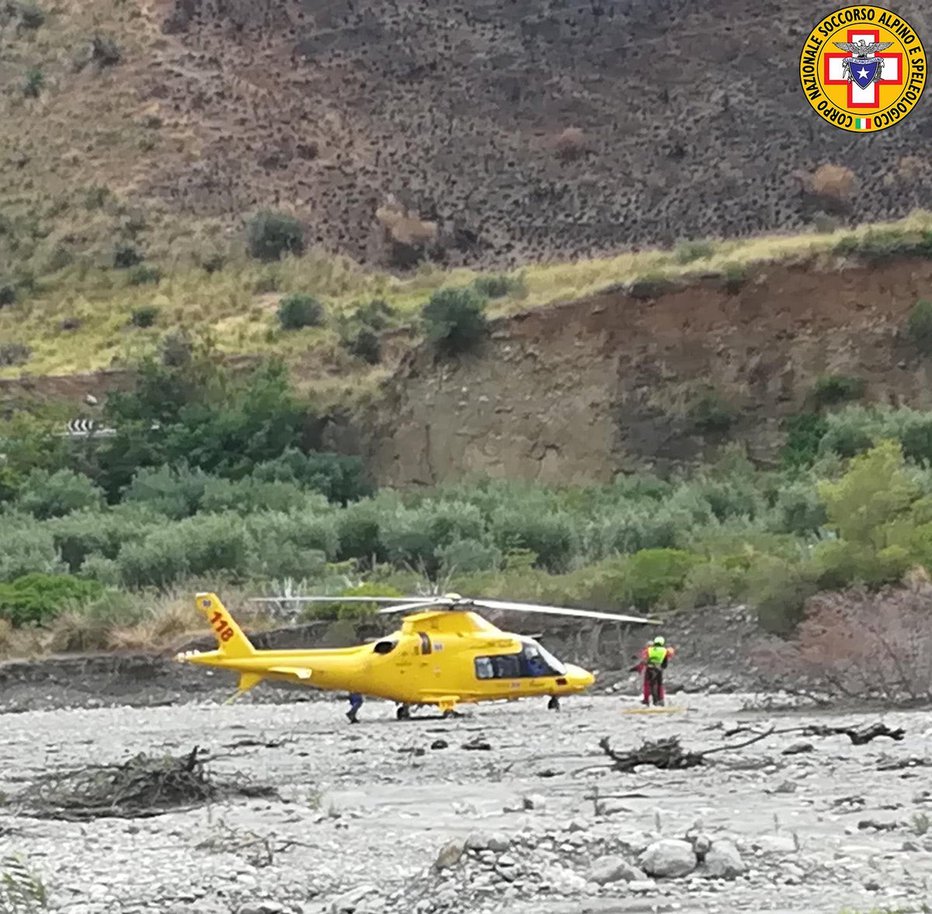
(709, 584)
(364, 344)
(271, 235)
(176, 492)
(360, 533)
(916, 439)
(339, 478)
(14, 354)
(466, 556)
(875, 491)
(36, 599)
(550, 537)
(454, 320)
(298, 310)
(157, 561)
(7, 294)
(830, 390)
(838, 564)
(144, 274)
(778, 589)
(804, 434)
(126, 255)
(882, 245)
(30, 15)
(734, 278)
(798, 510)
(33, 82)
(145, 316)
(653, 285)
(653, 576)
(101, 569)
(45, 494)
(848, 434)
(26, 547)
(691, 251)
(249, 495)
(279, 561)
(710, 414)
(105, 52)
(919, 326)
(497, 286)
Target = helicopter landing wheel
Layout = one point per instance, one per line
(554, 703)
(450, 713)
(403, 712)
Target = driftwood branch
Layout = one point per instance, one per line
(858, 735)
(669, 754)
(142, 787)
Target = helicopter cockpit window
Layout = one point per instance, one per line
(384, 647)
(536, 660)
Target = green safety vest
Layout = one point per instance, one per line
(656, 655)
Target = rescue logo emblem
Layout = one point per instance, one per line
(863, 68)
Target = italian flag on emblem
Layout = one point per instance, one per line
(862, 123)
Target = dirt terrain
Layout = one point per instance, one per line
(485, 133)
(513, 131)
(610, 383)
(510, 809)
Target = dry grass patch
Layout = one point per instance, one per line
(237, 303)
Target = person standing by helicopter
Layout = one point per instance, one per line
(653, 661)
(355, 703)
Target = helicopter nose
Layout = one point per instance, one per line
(579, 678)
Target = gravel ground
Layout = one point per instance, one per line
(400, 817)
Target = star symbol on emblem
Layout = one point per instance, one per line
(862, 73)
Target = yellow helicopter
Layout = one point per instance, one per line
(444, 654)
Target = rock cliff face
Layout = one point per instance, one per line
(583, 391)
(519, 129)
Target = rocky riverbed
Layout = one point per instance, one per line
(512, 809)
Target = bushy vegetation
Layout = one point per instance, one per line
(299, 310)
(270, 236)
(454, 319)
(227, 490)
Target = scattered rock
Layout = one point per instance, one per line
(449, 855)
(441, 744)
(495, 841)
(478, 744)
(798, 748)
(356, 901)
(774, 845)
(534, 801)
(669, 858)
(724, 861)
(615, 869)
(610, 807)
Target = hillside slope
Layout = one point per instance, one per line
(506, 132)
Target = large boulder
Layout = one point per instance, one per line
(669, 858)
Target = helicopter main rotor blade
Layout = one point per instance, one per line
(337, 599)
(438, 602)
(561, 611)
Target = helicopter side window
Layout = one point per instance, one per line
(507, 666)
(484, 668)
